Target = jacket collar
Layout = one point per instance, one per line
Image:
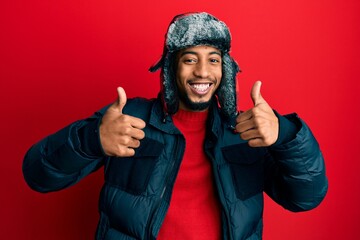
(163, 121)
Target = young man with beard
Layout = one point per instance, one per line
(186, 165)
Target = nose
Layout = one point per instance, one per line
(201, 70)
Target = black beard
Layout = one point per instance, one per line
(194, 106)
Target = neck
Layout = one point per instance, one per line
(190, 117)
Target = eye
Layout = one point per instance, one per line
(190, 60)
(215, 60)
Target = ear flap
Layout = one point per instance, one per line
(168, 84)
(227, 90)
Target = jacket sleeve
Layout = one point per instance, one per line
(295, 171)
(59, 160)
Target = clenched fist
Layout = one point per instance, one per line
(120, 134)
(258, 125)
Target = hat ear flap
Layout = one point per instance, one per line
(226, 92)
(169, 87)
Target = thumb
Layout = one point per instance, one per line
(256, 93)
(121, 101)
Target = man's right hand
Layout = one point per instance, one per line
(120, 134)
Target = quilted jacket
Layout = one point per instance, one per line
(137, 190)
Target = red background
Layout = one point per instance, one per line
(62, 60)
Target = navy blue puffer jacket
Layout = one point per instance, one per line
(137, 191)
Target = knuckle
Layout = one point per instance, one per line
(255, 111)
(121, 151)
(126, 141)
(125, 152)
(126, 130)
(124, 118)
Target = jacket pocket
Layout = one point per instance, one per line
(132, 174)
(247, 168)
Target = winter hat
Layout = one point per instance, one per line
(194, 29)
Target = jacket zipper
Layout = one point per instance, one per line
(221, 194)
(161, 208)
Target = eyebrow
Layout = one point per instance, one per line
(195, 53)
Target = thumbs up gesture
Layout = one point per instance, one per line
(120, 134)
(258, 125)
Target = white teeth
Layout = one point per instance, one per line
(201, 87)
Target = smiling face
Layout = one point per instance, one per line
(198, 75)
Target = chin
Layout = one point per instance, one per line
(197, 106)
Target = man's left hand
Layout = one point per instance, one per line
(258, 125)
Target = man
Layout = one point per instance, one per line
(186, 165)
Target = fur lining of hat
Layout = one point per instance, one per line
(197, 29)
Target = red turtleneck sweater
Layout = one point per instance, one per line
(194, 211)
